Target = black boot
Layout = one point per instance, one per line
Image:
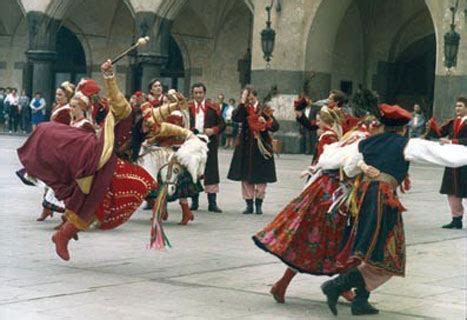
(249, 207)
(213, 203)
(194, 202)
(258, 205)
(344, 282)
(149, 204)
(360, 304)
(456, 223)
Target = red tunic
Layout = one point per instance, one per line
(327, 137)
(61, 114)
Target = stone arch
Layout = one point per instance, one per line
(213, 36)
(324, 33)
(326, 57)
(9, 22)
(399, 44)
(185, 52)
(13, 30)
(101, 36)
(58, 9)
(71, 57)
(78, 32)
(251, 5)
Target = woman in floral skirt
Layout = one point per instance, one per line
(306, 235)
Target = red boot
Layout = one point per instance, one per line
(57, 227)
(187, 215)
(45, 213)
(61, 238)
(280, 287)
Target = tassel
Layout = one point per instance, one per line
(262, 148)
(158, 238)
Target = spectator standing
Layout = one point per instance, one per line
(223, 106)
(231, 128)
(2, 110)
(417, 124)
(37, 109)
(12, 100)
(25, 111)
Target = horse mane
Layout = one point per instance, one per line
(193, 155)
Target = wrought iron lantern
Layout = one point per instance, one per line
(451, 41)
(268, 35)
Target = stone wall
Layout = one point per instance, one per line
(12, 58)
(212, 46)
(322, 41)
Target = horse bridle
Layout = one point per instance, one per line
(170, 165)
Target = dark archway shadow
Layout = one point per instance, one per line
(414, 75)
(71, 59)
(174, 72)
(172, 75)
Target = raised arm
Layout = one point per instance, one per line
(239, 114)
(448, 155)
(119, 106)
(305, 122)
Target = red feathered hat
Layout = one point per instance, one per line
(138, 94)
(88, 87)
(394, 116)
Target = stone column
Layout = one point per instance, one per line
(153, 57)
(42, 65)
(151, 66)
(287, 68)
(41, 54)
(448, 86)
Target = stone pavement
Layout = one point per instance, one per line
(213, 270)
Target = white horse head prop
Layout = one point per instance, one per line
(193, 155)
(169, 173)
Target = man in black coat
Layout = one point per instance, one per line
(454, 183)
(253, 160)
(305, 115)
(206, 118)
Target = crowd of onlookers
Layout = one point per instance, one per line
(18, 112)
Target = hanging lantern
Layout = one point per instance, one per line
(451, 41)
(268, 37)
(451, 48)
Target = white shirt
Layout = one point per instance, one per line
(199, 117)
(13, 100)
(228, 112)
(255, 106)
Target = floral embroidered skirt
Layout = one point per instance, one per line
(377, 235)
(304, 235)
(129, 187)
